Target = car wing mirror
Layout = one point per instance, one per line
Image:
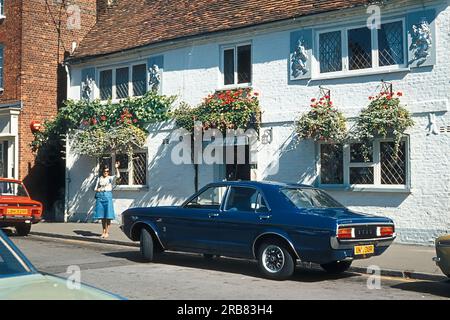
(262, 209)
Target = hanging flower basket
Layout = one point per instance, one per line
(384, 117)
(322, 123)
(223, 110)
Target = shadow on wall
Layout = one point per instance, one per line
(292, 162)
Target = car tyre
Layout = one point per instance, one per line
(147, 246)
(336, 267)
(23, 230)
(275, 261)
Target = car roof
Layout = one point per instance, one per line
(261, 184)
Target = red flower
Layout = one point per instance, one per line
(256, 94)
(135, 120)
(94, 121)
(370, 98)
(313, 100)
(400, 94)
(103, 118)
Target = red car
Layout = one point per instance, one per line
(17, 209)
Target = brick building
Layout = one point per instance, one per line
(35, 37)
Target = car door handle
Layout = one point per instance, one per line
(265, 217)
(213, 215)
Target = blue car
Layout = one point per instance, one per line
(274, 223)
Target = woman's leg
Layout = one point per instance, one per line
(108, 223)
(104, 225)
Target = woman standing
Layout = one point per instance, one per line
(104, 208)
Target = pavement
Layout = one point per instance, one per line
(406, 261)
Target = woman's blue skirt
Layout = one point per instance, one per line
(104, 208)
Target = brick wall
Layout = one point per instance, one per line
(10, 35)
(46, 40)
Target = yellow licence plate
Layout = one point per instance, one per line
(362, 250)
(17, 211)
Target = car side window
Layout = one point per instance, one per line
(211, 198)
(244, 199)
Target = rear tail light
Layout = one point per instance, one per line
(1, 211)
(35, 212)
(346, 233)
(387, 231)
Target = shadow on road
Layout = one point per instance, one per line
(86, 233)
(229, 265)
(435, 288)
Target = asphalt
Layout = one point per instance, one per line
(405, 261)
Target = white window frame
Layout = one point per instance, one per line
(234, 46)
(345, 54)
(114, 68)
(130, 171)
(376, 164)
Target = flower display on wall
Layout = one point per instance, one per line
(323, 122)
(384, 117)
(223, 110)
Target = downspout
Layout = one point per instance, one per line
(67, 172)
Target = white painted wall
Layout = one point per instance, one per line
(192, 72)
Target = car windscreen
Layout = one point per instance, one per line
(10, 262)
(310, 198)
(8, 188)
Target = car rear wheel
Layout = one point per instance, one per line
(147, 246)
(23, 230)
(275, 261)
(336, 267)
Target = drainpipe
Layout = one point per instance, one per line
(67, 172)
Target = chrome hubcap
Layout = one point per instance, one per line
(273, 259)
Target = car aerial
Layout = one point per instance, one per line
(19, 280)
(442, 258)
(274, 223)
(17, 209)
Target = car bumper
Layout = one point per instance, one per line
(11, 221)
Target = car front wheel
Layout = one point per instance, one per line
(275, 261)
(23, 230)
(336, 267)
(147, 246)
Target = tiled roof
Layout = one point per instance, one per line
(135, 23)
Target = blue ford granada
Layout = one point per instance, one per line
(274, 223)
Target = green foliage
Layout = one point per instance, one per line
(100, 127)
(223, 110)
(322, 123)
(384, 117)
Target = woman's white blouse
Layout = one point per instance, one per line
(105, 184)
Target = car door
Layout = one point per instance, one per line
(245, 215)
(194, 227)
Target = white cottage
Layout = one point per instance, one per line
(288, 52)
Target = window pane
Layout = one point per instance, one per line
(140, 169)
(361, 175)
(122, 80)
(331, 164)
(106, 85)
(211, 198)
(242, 199)
(393, 168)
(357, 155)
(228, 66)
(330, 52)
(139, 80)
(244, 64)
(123, 168)
(390, 44)
(360, 48)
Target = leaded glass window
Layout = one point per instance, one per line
(330, 51)
(390, 44)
